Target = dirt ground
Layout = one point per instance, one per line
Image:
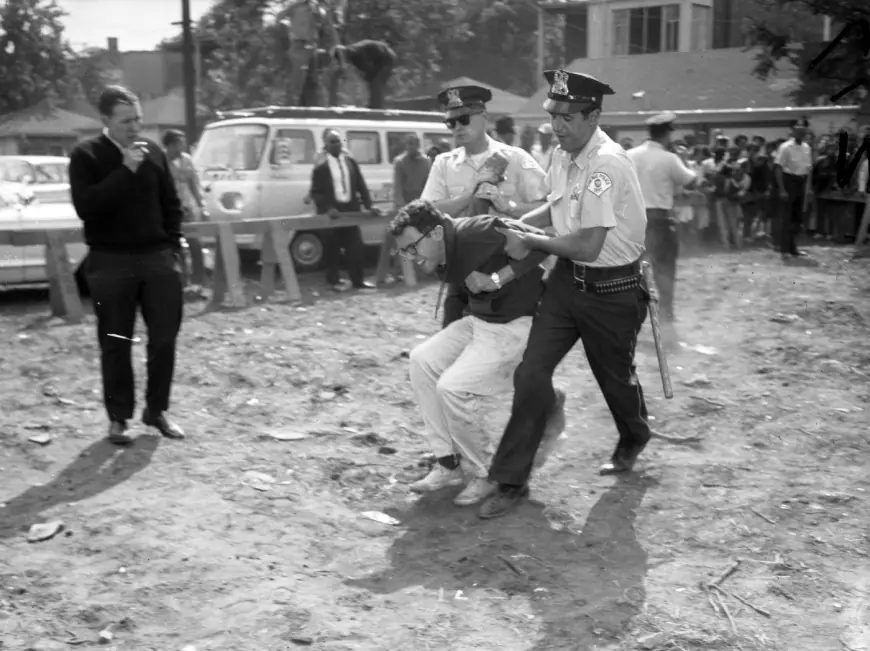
(233, 540)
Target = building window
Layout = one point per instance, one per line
(646, 30)
(700, 27)
(672, 28)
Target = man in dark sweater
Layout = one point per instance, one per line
(122, 189)
(487, 316)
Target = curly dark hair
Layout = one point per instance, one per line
(418, 214)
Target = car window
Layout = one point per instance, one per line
(364, 147)
(51, 173)
(16, 171)
(396, 142)
(291, 147)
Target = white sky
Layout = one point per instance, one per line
(138, 24)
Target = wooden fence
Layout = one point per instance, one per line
(276, 233)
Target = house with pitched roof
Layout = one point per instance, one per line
(43, 130)
(692, 57)
(502, 103)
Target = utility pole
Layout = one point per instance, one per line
(188, 53)
(539, 72)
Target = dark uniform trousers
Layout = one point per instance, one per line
(792, 213)
(662, 250)
(608, 326)
(350, 239)
(121, 283)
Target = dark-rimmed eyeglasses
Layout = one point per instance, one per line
(410, 252)
(462, 119)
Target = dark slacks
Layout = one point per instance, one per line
(608, 327)
(663, 249)
(121, 283)
(792, 213)
(350, 239)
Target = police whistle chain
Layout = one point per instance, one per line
(664, 371)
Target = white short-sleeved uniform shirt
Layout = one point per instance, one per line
(599, 187)
(661, 174)
(794, 158)
(453, 174)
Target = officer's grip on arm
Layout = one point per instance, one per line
(517, 268)
(583, 245)
(453, 207)
(539, 217)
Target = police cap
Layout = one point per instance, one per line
(571, 92)
(505, 125)
(464, 100)
(661, 119)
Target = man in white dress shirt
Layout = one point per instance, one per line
(662, 175)
(793, 165)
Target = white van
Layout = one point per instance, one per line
(257, 163)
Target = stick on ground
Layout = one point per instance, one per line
(513, 567)
(763, 517)
(731, 570)
(727, 613)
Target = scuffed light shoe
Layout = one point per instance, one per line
(478, 489)
(553, 430)
(439, 477)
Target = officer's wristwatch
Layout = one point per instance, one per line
(496, 279)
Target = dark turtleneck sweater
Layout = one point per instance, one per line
(122, 211)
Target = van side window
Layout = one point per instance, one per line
(292, 147)
(430, 139)
(364, 147)
(396, 142)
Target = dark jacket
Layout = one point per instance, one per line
(323, 194)
(474, 244)
(122, 211)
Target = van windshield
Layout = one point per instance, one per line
(232, 147)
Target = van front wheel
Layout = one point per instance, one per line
(306, 249)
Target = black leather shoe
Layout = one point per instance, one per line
(623, 460)
(501, 502)
(116, 433)
(162, 423)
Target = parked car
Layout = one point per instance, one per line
(48, 176)
(21, 210)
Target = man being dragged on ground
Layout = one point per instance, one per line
(488, 312)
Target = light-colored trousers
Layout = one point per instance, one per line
(453, 371)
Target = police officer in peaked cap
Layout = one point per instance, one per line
(458, 176)
(595, 294)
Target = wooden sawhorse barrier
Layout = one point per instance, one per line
(277, 233)
(63, 291)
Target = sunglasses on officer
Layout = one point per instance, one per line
(462, 119)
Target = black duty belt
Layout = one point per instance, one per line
(605, 280)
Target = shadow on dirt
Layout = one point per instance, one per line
(98, 468)
(585, 587)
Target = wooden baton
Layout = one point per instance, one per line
(664, 371)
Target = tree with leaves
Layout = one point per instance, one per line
(786, 33)
(34, 56)
(245, 61)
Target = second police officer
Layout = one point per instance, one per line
(456, 176)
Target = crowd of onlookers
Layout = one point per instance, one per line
(738, 201)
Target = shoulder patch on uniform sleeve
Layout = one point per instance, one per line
(599, 183)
